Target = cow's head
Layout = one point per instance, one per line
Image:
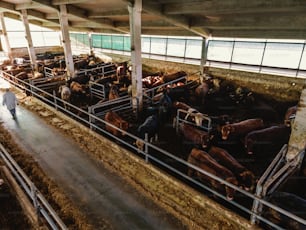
(226, 130)
(230, 192)
(124, 125)
(247, 180)
(206, 140)
(139, 143)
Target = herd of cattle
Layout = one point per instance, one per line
(241, 121)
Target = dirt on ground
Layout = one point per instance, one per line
(71, 216)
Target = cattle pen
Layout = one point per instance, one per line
(167, 114)
(156, 156)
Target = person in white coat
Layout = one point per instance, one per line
(10, 100)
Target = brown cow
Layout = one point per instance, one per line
(181, 105)
(195, 135)
(113, 93)
(204, 161)
(191, 114)
(114, 119)
(275, 136)
(77, 88)
(201, 91)
(22, 75)
(241, 128)
(245, 177)
(173, 76)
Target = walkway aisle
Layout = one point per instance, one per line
(98, 192)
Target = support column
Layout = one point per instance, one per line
(297, 141)
(31, 50)
(90, 43)
(135, 28)
(203, 57)
(7, 42)
(63, 17)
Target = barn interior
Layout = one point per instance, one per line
(272, 94)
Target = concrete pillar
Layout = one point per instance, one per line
(203, 57)
(297, 141)
(135, 27)
(63, 17)
(7, 42)
(90, 43)
(31, 50)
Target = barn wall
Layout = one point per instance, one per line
(280, 88)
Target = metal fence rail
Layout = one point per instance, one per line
(38, 201)
(104, 69)
(122, 105)
(198, 119)
(97, 90)
(47, 84)
(149, 94)
(91, 121)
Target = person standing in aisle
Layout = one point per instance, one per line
(10, 100)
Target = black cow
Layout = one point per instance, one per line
(291, 203)
(150, 127)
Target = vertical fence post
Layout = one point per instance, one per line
(31, 87)
(177, 121)
(90, 118)
(55, 101)
(146, 148)
(256, 205)
(34, 198)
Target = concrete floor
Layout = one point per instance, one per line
(99, 193)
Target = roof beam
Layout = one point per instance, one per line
(7, 6)
(179, 21)
(51, 23)
(108, 14)
(76, 11)
(177, 32)
(12, 15)
(152, 24)
(89, 24)
(30, 5)
(36, 14)
(52, 16)
(15, 14)
(42, 3)
(216, 7)
(83, 14)
(293, 21)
